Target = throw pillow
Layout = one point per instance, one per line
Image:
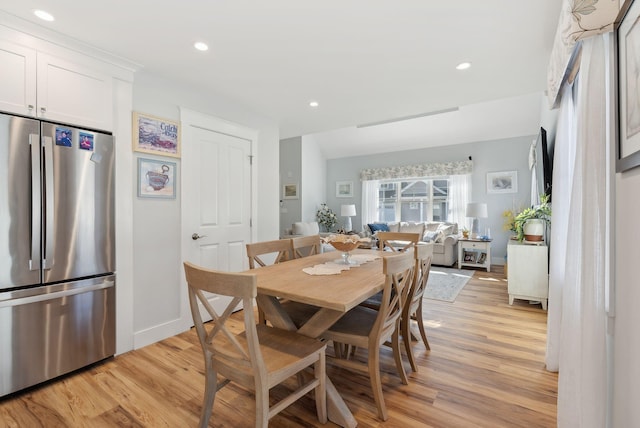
(432, 226)
(305, 228)
(430, 236)
(446, 229)
(440, 237)
(412, 227)
(375, 227)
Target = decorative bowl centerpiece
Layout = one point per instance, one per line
(345, 244)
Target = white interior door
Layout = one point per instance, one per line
(216, 195)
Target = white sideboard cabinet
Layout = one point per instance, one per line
(528, 273)
(36, 84)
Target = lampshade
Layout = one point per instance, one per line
(347, 210)
(476, 210)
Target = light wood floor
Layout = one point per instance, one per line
(485, 369)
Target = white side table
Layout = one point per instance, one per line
(475, 253)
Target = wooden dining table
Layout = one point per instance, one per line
(334, 295)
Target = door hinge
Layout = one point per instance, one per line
(250, 222)
(250, 159)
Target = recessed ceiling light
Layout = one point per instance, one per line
(201, 46)
(313, 104)
(463, 65)
(45, 16)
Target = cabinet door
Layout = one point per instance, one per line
(17, 79)
(72, 93)
(528, 270)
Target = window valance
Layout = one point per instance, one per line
(415, 171)
(579, 19)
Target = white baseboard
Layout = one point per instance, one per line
(498, 261)
(157, 333)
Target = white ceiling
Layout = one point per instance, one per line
(364, 61)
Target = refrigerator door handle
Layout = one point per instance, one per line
(48, 258)
(36, 211)
(56, 295)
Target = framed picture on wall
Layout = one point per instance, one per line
(626, 54)
(290, 191)
(502, 182)
(344, 189)
(156, 179)
(155, 135)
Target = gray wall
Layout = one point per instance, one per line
(511, 154)
(302, 162)
(290, 173)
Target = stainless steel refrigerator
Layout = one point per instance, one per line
(57, 250)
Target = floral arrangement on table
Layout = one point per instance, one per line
(326, 217)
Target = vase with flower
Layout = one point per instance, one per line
(327, 219)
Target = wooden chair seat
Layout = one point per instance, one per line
(258, 358)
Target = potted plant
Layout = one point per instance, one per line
(326, 217)
(531, 222)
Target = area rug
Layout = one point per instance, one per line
(445, 283)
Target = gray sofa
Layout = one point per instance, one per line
(444, 236)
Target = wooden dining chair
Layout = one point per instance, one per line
(412, 306)
(258, 358)
(368, 328)
(280, 250)
(412, 301)
(304, 246)
(397, 241)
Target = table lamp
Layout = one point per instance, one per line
(347, 211)
(476, 210)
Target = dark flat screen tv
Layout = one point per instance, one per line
(544, 160)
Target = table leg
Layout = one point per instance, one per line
(337, 409)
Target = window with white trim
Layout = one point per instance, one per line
(421, 199)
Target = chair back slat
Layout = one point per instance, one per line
(215, 337)
(239, 356)
(423, 256)
(304, 246)
(398, 271)
(281, 249)
(397, 241)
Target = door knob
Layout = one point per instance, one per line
(195, 236)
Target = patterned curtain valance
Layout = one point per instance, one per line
(415, 171)
(579, 19)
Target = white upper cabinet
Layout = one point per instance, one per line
(17, 79)
(72, 93)
(43, 86)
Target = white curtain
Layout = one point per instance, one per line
(582, 382)
(533, 162)
(563, 164)
(459, 196)
(369, 202)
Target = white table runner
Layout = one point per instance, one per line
(334, 267)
